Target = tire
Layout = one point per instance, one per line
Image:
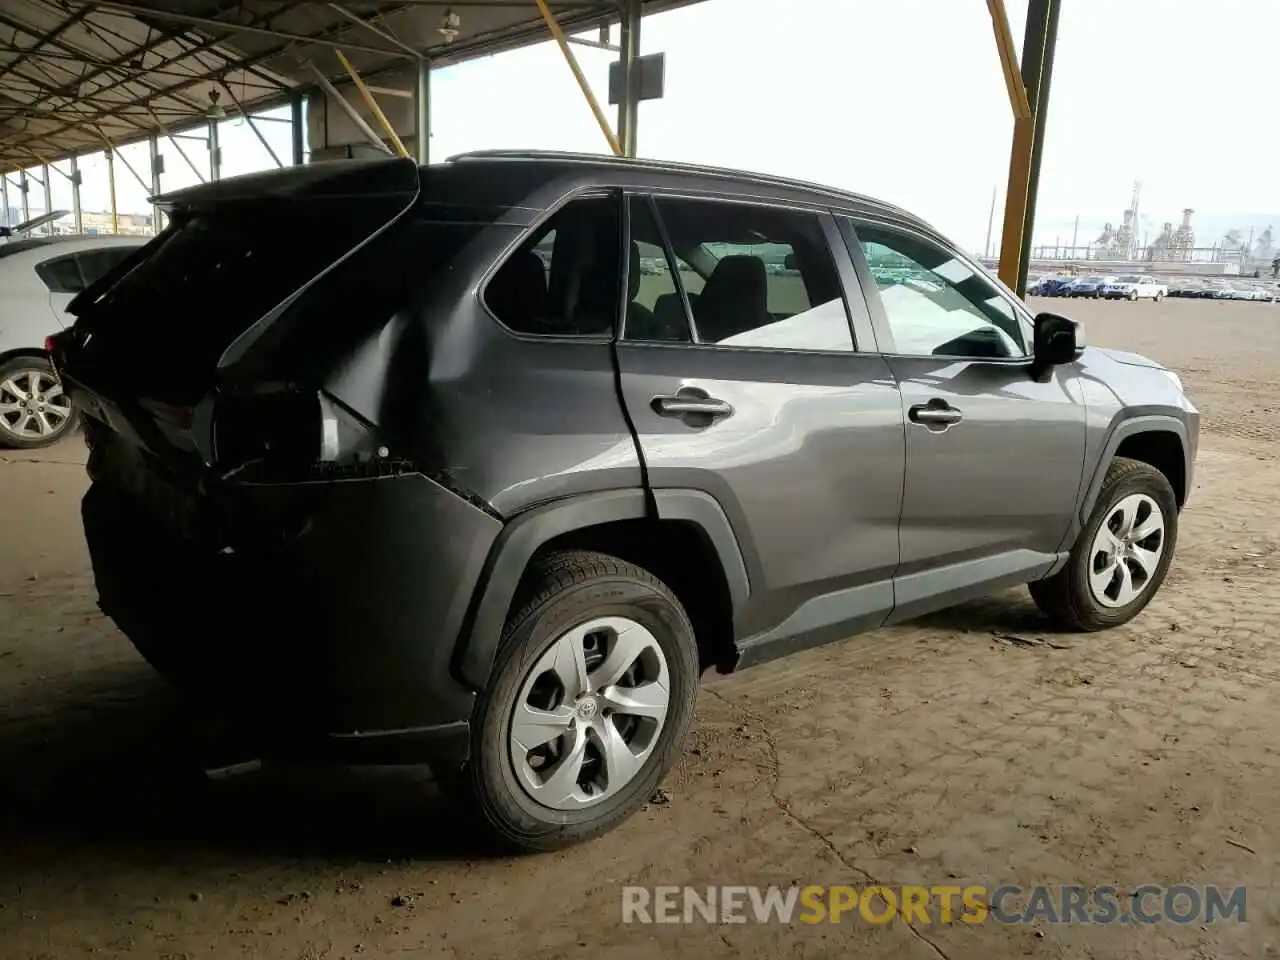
(1069, 596)
(1133, 297)
(30, 380)
(564, 593)
(1159, 297)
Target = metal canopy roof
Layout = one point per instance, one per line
(75, 74)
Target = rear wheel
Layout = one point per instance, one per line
(1122, 555)
(589, 703)
(34, 409)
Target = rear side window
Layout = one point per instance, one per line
(96, 264)
(211, 275)
(61, 274)
(565, 279)
(757, 276)
(320, 329)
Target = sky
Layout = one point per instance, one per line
(904, 101)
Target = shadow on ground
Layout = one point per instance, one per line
(113, 760)
(1012, 611)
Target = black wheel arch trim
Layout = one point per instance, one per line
(1154, 423)
(524, 534)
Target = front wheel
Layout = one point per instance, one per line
(1122, 555)
(588, 706)
(34, 409)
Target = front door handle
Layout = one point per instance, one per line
(936, 415)
(691, 405)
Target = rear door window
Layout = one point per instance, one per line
(757, 276)
(655, 310)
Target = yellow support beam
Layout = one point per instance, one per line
(563, 42)
(372, 104)
(1015, 204)
(1009, 60)
(1024, 135)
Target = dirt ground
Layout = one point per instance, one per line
(935, 752)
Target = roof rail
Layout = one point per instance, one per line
(673, 166)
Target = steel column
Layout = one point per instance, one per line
(25, 187)
(422, 111)
(48, 193)
(111, 188)
(155, 179)
(76, 210)
(629, 102)
(215, 152)
(1038, 46)
(297, 119)
(175, 143)
(4, 197)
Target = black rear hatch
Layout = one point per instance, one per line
(155, 337)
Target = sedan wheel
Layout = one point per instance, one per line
(34, 409)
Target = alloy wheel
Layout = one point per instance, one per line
(33, 405)
(589, 713)
(1126, 550)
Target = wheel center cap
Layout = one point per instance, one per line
(587, 709)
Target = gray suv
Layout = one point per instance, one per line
(483, 463)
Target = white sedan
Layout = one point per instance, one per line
(39, 277)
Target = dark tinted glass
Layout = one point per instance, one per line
(757, 276)
(565, 280)
(212, 275)
(61, 274)
(96, 264)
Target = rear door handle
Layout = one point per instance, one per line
(692, 405)
(936, 415)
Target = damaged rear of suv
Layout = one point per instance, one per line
(483, 463)
(264, 520)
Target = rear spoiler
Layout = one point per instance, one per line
(327, 180)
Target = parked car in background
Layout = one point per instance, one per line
(23, 230)
(1186, 288)
(406, 493)
(1088, 286)
(1135, 288)
(1052, 286)
(39, 276)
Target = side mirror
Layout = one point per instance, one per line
(1057, 341)
(790, 262)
